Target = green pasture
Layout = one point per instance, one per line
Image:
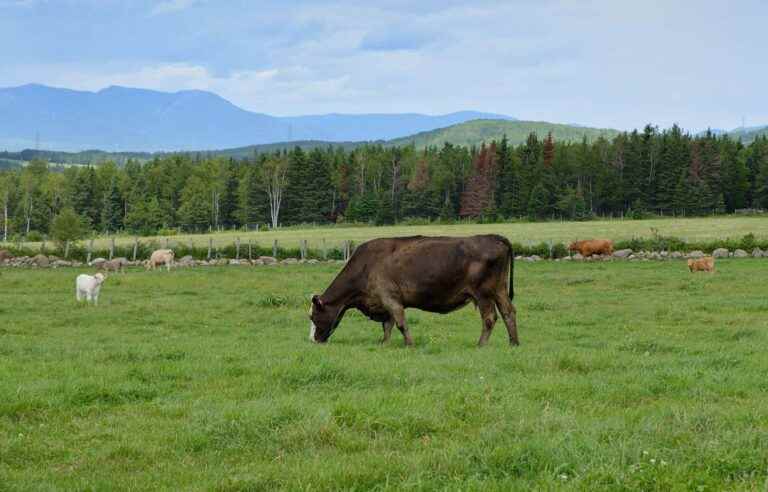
(630, 376)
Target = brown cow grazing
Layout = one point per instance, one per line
(705, 264)
(436, 274)
(591, 247)
(161, 257)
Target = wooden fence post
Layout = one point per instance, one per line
(166, 243)
(42, 246)
(90, 250)
(135, 247)
(303, 249)
(210, 247)
(66, 250)
(325, 250)
(274, 249)
(550, 249)
(237, 248)
(112, 248)
(250, 255)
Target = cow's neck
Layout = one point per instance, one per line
(345, 289)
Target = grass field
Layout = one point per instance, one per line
(630, 376)
(525, 232)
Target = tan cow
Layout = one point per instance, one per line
(591, 247)
(705, 264)
(160, 257)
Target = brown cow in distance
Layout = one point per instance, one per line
(591, 247)
(705, 264)
(436, 274)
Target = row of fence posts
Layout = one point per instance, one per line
(346, 248)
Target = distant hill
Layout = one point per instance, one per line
(479, 131)
(469, 133)
(123, 118)
(749, 134)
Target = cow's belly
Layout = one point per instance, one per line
(438, 304)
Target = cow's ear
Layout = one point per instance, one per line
(318, 303)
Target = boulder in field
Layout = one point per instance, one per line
(577, 256)
(696, 254)
(41, 260)
(622, 253)
(720, 253)
(757, 253)
(740, 253)
(268, 260)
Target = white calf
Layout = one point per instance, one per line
(88, 287)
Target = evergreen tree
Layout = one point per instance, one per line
(195, 212)
(228, 203)
(538, 203)
(112, 209)
(253, 200)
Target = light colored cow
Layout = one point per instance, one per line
(160, 257)
(88, 287)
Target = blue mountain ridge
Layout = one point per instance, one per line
(122, 118)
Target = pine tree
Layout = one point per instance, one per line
(478, 197)
(253, 201)
(308, 197)
(385, 215)
(196, 211)
(228, 201)
(112, 209)
(538, 203)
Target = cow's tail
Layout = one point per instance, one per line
(511, 281)
(511, 259)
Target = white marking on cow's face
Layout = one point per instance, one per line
(312, 327)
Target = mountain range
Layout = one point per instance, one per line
(127, 119)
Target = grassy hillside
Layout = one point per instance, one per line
(630, 376)
(478, 131)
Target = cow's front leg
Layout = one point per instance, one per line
(387, 326)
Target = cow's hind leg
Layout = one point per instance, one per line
(488, 314)
(387, 326)
(509, 315)
(397, 313)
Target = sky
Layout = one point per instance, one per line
(604, 63)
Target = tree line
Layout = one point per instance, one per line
(635, 173)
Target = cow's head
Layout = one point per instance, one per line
(323, 320)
